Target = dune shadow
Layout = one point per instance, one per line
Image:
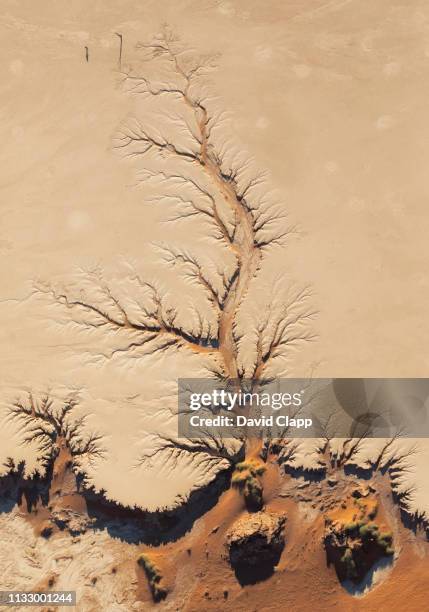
(370, 578)
(359, 472)
(136, 526)
(130, 525)
(16, 489)
(413, 522)
(7, 504)
(248, 568)
(247, 574)
(307, 475)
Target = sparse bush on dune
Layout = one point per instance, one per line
(245, 477)
(254, 466)
(366, 531)
(348, 561)
(353, 547)
(386, 536)
(154, 577)
(253, 494)
(151, 570)
(384, 540)
(373, 513)
(370, 532)
(239, 478)
(350, 527)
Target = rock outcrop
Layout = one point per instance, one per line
(255, 543)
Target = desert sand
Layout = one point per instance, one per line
(129, 260)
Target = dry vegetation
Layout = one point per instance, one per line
(245, 477)
(354, 540)
(154, 577)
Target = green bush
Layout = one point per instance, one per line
(253, 493)
(386, 536)
(259, 469)
(238, 479)
(245, 478)
(373, 513)
(253, 466)
(384, 540)
(350, 565)
(158, 592)
(154, 577)
(150, 568)
(368, 531)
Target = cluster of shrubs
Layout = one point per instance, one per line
(154, 577)
(349, 563)
(245, 477)
(365, 511)
(363, 536)
(370, 533)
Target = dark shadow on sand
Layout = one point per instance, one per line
(246, 574)
(368, 581)
(135, 526)
(131, 525)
